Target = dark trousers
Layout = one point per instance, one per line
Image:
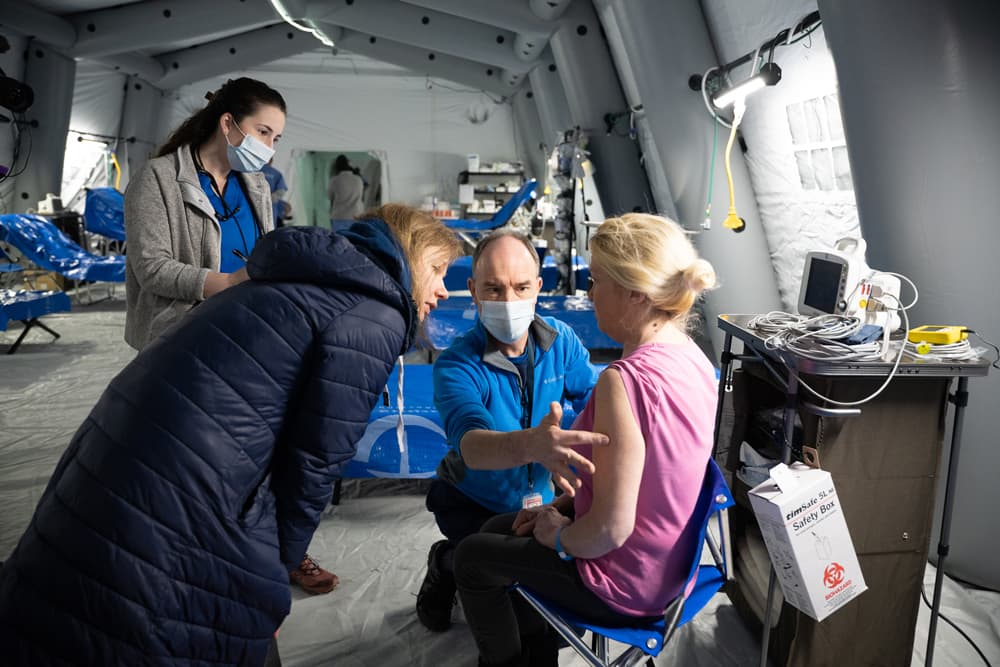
(457, 516)
(487, 564)
(272, 659)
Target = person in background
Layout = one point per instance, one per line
(345, 190)
(167, 530)
(281, 209)
(499, 390)
(194, 213)
(619, 550)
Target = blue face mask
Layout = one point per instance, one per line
(250, 155)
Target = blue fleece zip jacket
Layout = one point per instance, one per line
(477, 387)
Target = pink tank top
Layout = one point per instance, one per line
(672, 391)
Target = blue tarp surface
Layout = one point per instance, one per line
(379, 453)
(50, 250)
(104, 213)
(25, 305)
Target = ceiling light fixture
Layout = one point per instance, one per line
(286, 12)
(769, 75)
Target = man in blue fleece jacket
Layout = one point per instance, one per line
(499, 389)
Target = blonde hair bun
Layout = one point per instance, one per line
(652, 255)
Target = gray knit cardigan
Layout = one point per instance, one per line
(174, 240)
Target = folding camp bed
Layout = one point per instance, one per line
(44, 245)
(26, 307)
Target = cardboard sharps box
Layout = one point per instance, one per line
(807, 539)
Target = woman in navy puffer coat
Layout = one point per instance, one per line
(167, 531)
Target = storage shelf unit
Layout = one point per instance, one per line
(485, 184)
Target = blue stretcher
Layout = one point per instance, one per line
(378, 453)
(9, 271)
(460, 272)
(104, 213)
(456, 315)
(501, 217)
(49, 249)
(27, 306)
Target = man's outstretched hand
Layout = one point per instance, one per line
(550, 446)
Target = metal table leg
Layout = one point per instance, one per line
(725, 386)
(788, 421)
(961, 399)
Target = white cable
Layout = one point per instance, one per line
(960, 351)
(892, 373)
(916, 294)
(400, 422)
(822, 334)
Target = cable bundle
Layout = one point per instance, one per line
(960, 351)
(819, 338)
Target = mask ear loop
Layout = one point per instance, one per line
(233, 123)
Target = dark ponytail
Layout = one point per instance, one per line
(240, 97)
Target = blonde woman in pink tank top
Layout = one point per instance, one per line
(615, 551)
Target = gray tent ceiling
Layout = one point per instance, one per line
(481, 43)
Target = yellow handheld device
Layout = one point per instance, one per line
(937, 334)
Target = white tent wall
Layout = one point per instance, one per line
(681, 131)
(98, 96)
(139, 127)
(422, 125)
(12, 63)
(923, 142)
(797, 155)
(659, 186)
(51, 75)
(528, 128)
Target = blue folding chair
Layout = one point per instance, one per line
(648, 640)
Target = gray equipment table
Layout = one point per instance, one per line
(784, 369)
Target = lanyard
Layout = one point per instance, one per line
(228, 213)
(527, 398)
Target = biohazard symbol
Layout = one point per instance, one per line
(833, 575)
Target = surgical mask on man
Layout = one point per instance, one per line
(507, 321)
(250, 155)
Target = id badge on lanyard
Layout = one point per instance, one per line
(529, 500)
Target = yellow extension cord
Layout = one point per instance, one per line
(118, 172)
(733, 221)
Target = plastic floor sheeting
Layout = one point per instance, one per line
(376, 540)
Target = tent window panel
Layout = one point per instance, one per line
(807, 177)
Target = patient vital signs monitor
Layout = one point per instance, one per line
(840, 282)
(830, 277)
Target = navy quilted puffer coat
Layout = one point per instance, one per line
(169, 526)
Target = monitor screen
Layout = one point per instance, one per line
(823, 286)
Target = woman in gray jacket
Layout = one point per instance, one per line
(193, 215)
(194, 212)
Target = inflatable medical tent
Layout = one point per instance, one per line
(880, 128)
